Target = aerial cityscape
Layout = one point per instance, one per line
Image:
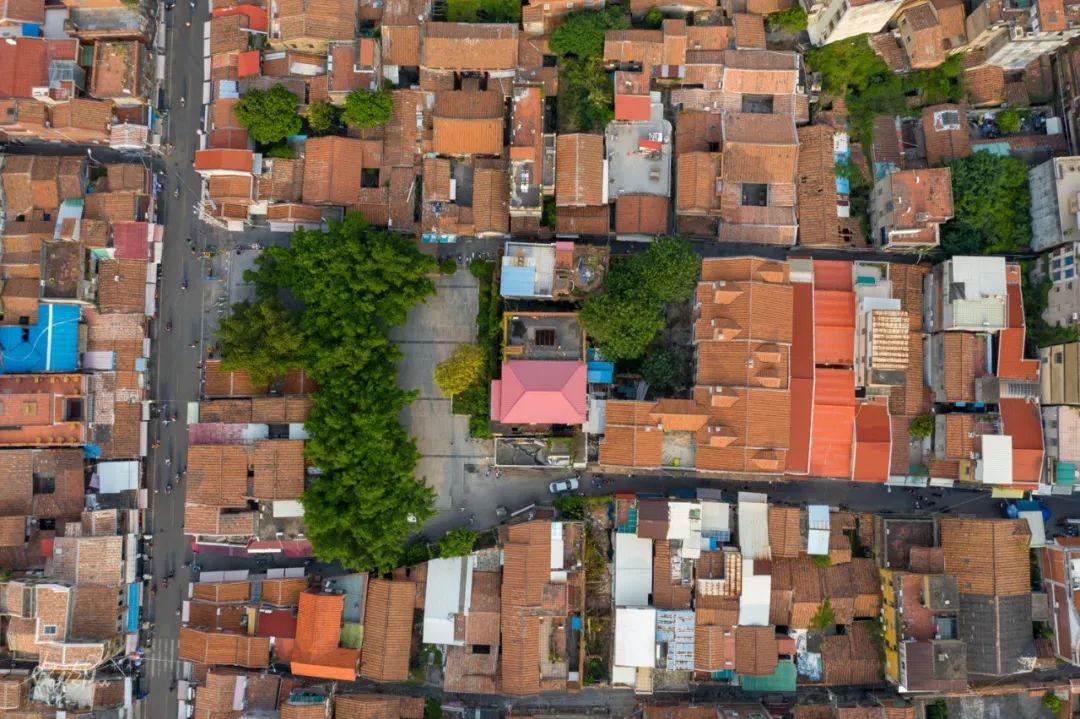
(468, 359)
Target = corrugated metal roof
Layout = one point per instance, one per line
(50, 345)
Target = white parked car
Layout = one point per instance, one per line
(564, 485)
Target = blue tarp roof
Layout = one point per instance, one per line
(517, 281)
(601, 372)
(51, 345)
(133, 608)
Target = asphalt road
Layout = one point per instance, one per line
(175, 379)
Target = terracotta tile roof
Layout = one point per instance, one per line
(852, 658)
(230, 187)
(212, 521)
(755, 651)
(468, 46)
(225, 130)
(749, 31)
(332, 170)
(759, 148)
(436, 179)
(579, 172)
(960, 374)
(985, 85)
(641, 214)
(526, 570)
(278, 469)
(758, 72)
(696, 184)
(816, 191)
(468, 122)
(217, 475)
(668, 590)
(388, 614)
(989, 557)
(945, 140)
(593, 220)
(283, 592)
(1052, 15)
(223, 648)
(400, 44)
(330, 20)
(1021, 421)
(714, 648)
(316, 652)
(88, 560)
(785, 531)
(219, 383)
(491, 201)
(377, 706)
(283, 182)
(222, 591)
(887, 47)
(113, 206)
(227, 34)
(224, 160)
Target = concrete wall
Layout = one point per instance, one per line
(869, 18)
(1045, 227)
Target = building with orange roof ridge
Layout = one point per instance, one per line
(743, 335)
(908, 207)
(317, 652)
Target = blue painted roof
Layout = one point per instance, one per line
(51, 345)
(133, 608)
(517, 281)
(601, 372)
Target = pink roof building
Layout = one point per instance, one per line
(539, 392)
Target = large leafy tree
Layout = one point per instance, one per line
(621, 325)
(625, 319)
(460, 370)
(353, 284)
(260, 337)
(457, 543)
(367, 108)
(587, 92)
(582, 33)
(991, 201)
(323, 117)
(269, 115)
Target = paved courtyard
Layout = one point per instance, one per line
(434, 329)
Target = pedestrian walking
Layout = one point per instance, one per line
(168, 461)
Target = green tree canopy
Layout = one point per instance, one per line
(460, 370)
(323, 117)
(457, 543)
(625, 319)
(824, 617)
(353, 284)
(269, 115)
(621, 325)
(1008, 121)
(367, 108)
(668, 271)
(791, 20)
(922, 426)
(664, 370)
(260, 337)
(586, 91)
(581, 34)
(991, 200)
(852, 70)
(654, 18)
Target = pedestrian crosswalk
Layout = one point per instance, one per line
(160, 668)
